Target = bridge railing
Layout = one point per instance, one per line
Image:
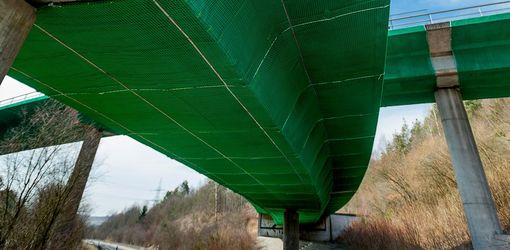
(20, 98)
(418, 18)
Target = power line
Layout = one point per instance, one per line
(158, 191)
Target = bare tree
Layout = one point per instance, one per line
(34, 187)
(69, 221)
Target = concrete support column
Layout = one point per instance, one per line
(16, 20)
(291, 230)
(476, 196)
(79, 177)
(76, 186)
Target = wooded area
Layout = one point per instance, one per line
(35, 189)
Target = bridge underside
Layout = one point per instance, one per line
(277, 100)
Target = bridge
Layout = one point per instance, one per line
(276, 100)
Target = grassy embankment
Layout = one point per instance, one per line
(409, 193)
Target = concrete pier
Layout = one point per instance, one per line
(479, 208)
(76, 185)
(475, 193)
(16, 20)
(291, 230)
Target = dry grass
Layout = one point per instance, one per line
(381, 233)
(186, 220)
(411, 197)
(85, 246)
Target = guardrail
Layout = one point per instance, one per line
(20, 98)
(404, 21)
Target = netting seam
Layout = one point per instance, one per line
(143, 90)
(157, 109)
(103, 115)
(111, 77)
(311, 22)
(338, 117)
(132, 132)
(200, 87)
(226, 85)
(341, 15)
(297, 44)
(307, 77)
(291, 27)
(350, 79)
(349, 138)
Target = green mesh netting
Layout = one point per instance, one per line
(409, 77)
(481, 47)
(276, 100)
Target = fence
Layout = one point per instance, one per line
(20, 98)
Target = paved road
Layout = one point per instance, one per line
(113, 246)
(303, 245)
(263, 243)
(266, 243)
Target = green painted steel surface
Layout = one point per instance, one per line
(481, 47)
(277, 100)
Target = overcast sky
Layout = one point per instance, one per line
(127, 172)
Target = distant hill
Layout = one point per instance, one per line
(96, 220)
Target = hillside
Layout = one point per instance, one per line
(210, 217)
(409, 197)
(409, 194)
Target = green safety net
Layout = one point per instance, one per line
(276, 100)
(409, 77)
(481, 47)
